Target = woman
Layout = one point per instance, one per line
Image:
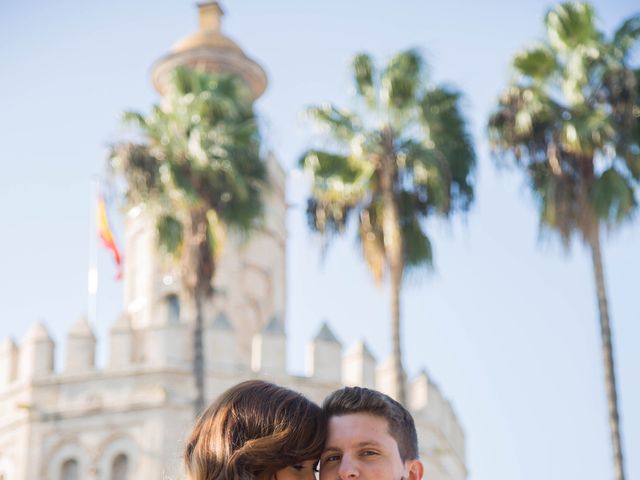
(257, 431)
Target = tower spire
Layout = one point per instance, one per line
(209, 49)
(210, 14)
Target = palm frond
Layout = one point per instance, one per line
(216, 233)
(613, 197)
(363, 72)
(401, 80)
(537, 63)
(182, 82)
(451, 143)
(325, 165)
(558, 203)
(327, 217)
(422, 136)
(134, 118)
(372, 240)
(570, 25)
(627, 35)
(243, 215)
(139, 167)
(632, 161)
(202, 150)
(429, 174)
(340, 124)
(170, 234)
(417, 248)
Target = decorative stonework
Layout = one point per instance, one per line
(209, 49)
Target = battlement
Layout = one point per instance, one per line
(140, 354)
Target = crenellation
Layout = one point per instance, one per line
(81, 348)
(8, 361)
(418, 392)
(36, 354)
(358, 366)
(166, 345)
(324, 354)
(220, 349)
(269, 349)
(426, 400)
(121, 344)
(385, 377)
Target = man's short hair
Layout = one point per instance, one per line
(402, 428)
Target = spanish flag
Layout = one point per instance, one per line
(106, 234)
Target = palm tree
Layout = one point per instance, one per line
(199, 171)
(403, 157)
(570, 121)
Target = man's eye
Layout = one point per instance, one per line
(331, 458)
(369, 453)
(298, 467)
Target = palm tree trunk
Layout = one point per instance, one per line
(398, 370)
(607, 354)
(395, 256)
(197, 362)
(196, 275)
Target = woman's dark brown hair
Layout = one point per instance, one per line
(253, 430)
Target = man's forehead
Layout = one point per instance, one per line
(357, 429)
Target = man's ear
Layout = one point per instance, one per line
(415, 470)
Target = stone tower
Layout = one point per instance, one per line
(248, 283)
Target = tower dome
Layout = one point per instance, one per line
(210, 50)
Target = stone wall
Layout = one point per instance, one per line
(136, 411)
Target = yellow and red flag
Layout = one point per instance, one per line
(105, 232)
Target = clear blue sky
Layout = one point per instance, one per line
(507, 325)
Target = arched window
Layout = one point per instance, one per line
(120, 467)
(69, 470)
(173, 308)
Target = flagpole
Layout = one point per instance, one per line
(92, 277)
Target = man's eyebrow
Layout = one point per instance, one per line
(366, 443)
(369, 443)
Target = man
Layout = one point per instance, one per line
(371, 437)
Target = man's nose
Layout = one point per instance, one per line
(348, 469)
